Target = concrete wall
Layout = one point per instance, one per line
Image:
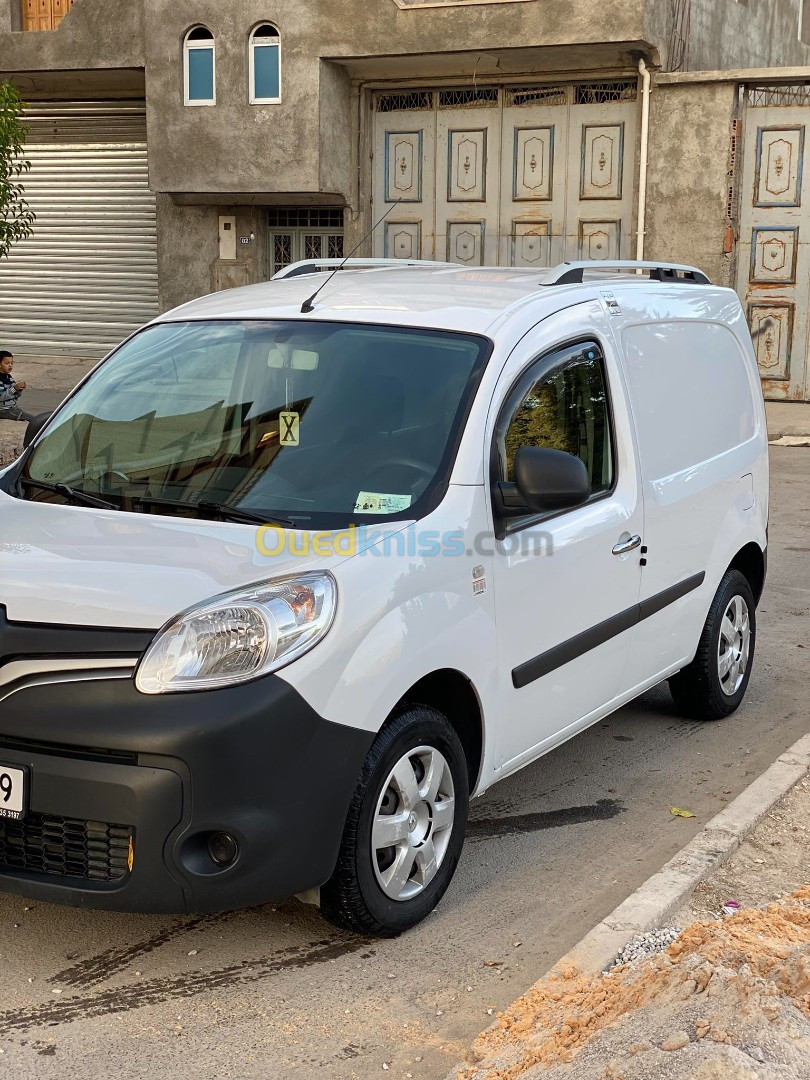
(9, 10)
(95, 34)
(236, 157)
(335, 128)
(10, 16)
(728, 34)
(188, 250)
(687, 179)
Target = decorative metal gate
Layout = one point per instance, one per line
(773, 276)
(509, 176)
(301, 232)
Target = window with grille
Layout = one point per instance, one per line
(403, 102)
(282, 251)
(305, 217)
(600, 92)
(316, 239)
(468, 99)
(535, 95)
(766, 96)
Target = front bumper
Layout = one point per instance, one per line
(255, 761)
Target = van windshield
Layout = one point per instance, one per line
(315, 425)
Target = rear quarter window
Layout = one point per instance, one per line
(690, 391)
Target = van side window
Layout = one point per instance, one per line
(564, 407)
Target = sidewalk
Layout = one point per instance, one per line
(788, 420)
(728, 1000)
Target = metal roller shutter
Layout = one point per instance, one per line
(88, 276)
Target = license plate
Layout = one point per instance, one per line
(12, 792)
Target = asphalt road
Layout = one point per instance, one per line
(276, 994)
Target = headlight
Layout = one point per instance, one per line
(239, 636)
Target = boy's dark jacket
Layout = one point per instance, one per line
(8, 392)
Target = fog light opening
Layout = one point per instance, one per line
(223, 849)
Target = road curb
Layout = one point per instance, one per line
(661, 895)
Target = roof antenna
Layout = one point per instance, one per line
(307, 305)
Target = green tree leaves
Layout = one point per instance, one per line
(16, 217)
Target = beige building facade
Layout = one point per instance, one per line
(185, 146)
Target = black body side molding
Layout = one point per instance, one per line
(597, 635)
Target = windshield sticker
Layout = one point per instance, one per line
(375, 502)
(290, 424)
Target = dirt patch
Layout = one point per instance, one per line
(11, 437)
(773, 862)
(729, 1000)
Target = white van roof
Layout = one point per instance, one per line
(431, 295)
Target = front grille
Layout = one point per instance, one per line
(65, 847)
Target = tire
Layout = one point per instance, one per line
(701, 690)
(384, 890)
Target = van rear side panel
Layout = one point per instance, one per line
(697, 408)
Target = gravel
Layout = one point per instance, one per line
(645, 945)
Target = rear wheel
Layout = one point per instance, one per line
(714, 684)
(405, 827)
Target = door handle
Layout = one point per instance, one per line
(627, 545)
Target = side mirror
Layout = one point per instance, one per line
(34, 427)
(550, 479)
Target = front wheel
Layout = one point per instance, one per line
(405, 827)
(714, 684)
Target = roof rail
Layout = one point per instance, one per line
(572, 273)
(315, 266)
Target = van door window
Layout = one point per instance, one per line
(562, 404)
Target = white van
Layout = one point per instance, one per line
(288, 578)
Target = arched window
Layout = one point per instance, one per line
(265, 65)
(199, 67)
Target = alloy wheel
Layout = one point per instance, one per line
(413, 823)
(734, 646)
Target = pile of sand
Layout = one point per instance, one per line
(729, 1000)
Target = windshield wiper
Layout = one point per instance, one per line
(68, 492)
(223, 510)
(236, 513)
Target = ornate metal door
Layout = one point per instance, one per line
(773, 276)
(509, 176)
(601, 171)
(405, 165)
(533, 185)
(468, 145)
(301, 232)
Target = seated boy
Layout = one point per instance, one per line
(10, 391)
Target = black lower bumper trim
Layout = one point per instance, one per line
(255, 761)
